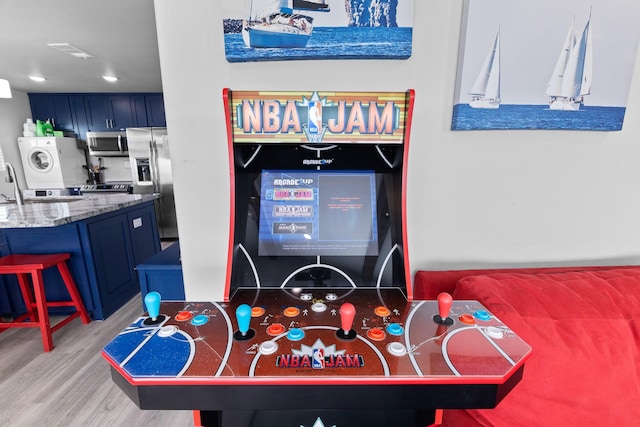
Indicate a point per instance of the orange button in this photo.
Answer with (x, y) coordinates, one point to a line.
(376, 334)
(382, 311)
(184, 315)
(467, 318)
(257, 311)
(275, 329)
(291, 311)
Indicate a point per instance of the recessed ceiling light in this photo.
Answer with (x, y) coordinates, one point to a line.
(110, 78)
(37, 78)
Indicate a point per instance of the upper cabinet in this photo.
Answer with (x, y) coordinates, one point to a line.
(98, 111)
(52, 107)
(109, 112)
(154, 104)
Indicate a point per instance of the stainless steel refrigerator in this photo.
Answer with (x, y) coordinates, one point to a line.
(151, 173)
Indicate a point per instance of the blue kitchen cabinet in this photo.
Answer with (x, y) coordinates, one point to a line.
(80, 113)
(109, 112)
(104, 252)
(138, 104)
(145, 239)
(77, 106)
(7, 300)
(55, 108)
(149, 109)
(155, 110)
(112, 260)
(162, 273)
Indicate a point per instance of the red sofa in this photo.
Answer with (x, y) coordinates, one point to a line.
(583, 325)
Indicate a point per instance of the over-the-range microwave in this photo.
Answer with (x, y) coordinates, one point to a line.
(108, 144)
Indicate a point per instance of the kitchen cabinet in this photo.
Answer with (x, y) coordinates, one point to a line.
(118, 244)
(112, 256)
(52, 107)
(162, 273)
(109, 112)
(155, 110)
(80, 113)
(105, 250)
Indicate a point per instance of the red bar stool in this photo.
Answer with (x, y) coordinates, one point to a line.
(23, 265)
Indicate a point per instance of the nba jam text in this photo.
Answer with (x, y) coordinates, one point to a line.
(319, 357)
(318, 116)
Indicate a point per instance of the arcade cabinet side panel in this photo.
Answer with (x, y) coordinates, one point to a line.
(226, 96)
(271, 131)
(411, 94)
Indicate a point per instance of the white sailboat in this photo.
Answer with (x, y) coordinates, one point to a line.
(571, 79)
(485, 92)
(273, 23)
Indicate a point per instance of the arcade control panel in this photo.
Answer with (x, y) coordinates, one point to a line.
(318, 335)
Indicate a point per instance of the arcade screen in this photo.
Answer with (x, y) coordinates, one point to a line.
(316, 213)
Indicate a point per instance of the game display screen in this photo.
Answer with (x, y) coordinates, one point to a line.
(317, 213)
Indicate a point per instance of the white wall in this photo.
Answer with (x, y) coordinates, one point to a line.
(483, 198)
(13, 113)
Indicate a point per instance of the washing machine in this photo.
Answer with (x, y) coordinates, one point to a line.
(51, 162)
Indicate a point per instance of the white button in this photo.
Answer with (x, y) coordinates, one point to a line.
(167, 331)
(319, 307)
(268, 347)
(396, 348)
(494, 332)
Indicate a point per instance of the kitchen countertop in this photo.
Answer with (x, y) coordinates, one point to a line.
(50, 212)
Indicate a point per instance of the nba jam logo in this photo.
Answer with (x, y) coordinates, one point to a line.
(314, 130)
(319, 356)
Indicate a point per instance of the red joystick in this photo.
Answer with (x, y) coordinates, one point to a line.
(347, 314)
(444, 307)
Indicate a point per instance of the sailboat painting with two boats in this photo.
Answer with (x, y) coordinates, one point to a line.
(518, 69)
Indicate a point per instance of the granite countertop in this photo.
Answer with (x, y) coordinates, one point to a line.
(46, 212)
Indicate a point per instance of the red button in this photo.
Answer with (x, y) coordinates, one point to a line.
(275, 329)
(376, 334)
(184, 315)
(467, 318)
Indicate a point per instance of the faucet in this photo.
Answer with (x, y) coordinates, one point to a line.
(11, 177)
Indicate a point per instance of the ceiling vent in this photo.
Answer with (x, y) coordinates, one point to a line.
(70, 50)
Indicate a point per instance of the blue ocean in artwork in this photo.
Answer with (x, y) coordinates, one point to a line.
(537, 117)
(330, 43)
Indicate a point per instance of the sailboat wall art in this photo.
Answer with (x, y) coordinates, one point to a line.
(545, 64)
(278, 30)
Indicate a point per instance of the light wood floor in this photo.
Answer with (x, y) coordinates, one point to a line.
(71, 385)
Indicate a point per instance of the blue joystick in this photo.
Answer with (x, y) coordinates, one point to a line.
(243, 317)
(152, 302)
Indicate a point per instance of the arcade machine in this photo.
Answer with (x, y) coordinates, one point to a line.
(318, 326)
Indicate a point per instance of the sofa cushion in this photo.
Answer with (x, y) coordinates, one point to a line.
(427, 284)
(584, 329)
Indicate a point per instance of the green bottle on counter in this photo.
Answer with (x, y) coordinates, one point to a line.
(39, 130)
(44, 128)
